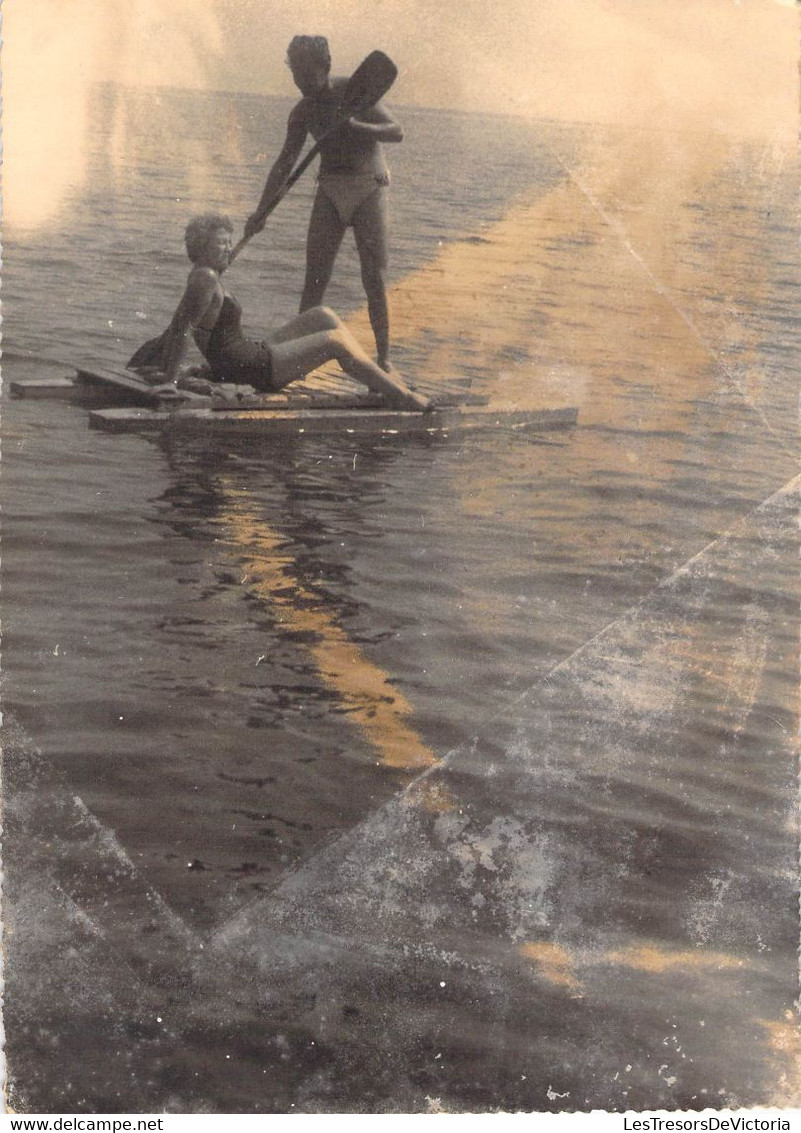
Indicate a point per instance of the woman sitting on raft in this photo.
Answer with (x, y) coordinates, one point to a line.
(212, 316)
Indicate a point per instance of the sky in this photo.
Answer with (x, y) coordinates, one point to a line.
(724, 65)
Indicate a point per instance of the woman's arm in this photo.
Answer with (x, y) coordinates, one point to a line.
(201, 288)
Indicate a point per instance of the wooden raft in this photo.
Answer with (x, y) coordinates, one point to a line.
(327, 401)
(274, 422)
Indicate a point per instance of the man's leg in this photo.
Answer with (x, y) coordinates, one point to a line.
(371, 229)
(322, 244)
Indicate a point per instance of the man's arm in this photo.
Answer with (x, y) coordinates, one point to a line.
(378, 124)
(296, 132)
(195, 302)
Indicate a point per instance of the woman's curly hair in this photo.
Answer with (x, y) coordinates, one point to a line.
(199, 230)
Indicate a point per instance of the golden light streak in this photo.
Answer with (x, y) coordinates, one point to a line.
(372, 703)
(556, 963)
(579, 295)
(655, 959)
(553, 962)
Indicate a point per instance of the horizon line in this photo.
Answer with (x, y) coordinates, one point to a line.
(290, 97)
(545, 119)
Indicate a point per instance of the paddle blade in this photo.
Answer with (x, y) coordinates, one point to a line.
(150, 354)
(370, 81)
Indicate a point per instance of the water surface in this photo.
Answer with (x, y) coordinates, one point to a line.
(236, 654)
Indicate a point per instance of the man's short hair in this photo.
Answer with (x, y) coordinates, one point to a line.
(309, 48)
(200, 228)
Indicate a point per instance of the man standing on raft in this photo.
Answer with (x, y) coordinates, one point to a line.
(352, 183)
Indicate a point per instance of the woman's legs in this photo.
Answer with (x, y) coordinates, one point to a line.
(311, 321)
(294, 358)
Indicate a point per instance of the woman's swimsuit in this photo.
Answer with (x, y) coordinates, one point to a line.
(347, 192)
(232, 356)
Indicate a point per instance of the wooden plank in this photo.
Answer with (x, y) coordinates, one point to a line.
(129, 420)
(318, 403)
(42, 387)
(353, 392)
(324, 401)
(124, 384)
(126, 387)
(322, 376)
(456, 397)
(344, 422)
(432, 385)
(437, 390)
(334, 383)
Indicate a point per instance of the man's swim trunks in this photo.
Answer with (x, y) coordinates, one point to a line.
(235, 358)
(347, 192)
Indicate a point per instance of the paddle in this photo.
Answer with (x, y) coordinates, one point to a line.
(369, 82)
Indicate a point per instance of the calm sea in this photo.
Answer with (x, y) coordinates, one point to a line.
(241, 656)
